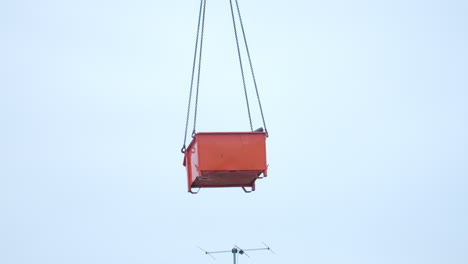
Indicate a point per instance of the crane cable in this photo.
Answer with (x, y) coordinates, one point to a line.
(240, 63)
(201, 17)
(198, 51)
(251, 67)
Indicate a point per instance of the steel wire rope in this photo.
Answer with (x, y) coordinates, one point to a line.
(199, 68)
(202, 8)
(251, 67)
(241, 66)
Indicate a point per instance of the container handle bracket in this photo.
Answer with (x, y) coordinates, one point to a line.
(251, 190)
(192, 192)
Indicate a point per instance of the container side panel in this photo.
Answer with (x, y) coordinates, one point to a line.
(226, 179)
(192, 163)
(225, 152)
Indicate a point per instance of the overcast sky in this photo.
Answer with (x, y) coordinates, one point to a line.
(366, 103)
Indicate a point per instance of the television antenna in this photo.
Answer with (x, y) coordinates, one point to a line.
(237, 250)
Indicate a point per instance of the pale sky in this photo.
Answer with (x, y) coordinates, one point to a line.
(366, 103)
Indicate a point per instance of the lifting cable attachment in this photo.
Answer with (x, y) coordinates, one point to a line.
(198, 53)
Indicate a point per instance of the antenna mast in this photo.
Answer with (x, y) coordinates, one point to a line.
(236, 250)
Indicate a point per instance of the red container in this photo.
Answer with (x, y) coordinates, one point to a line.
(226, 159)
